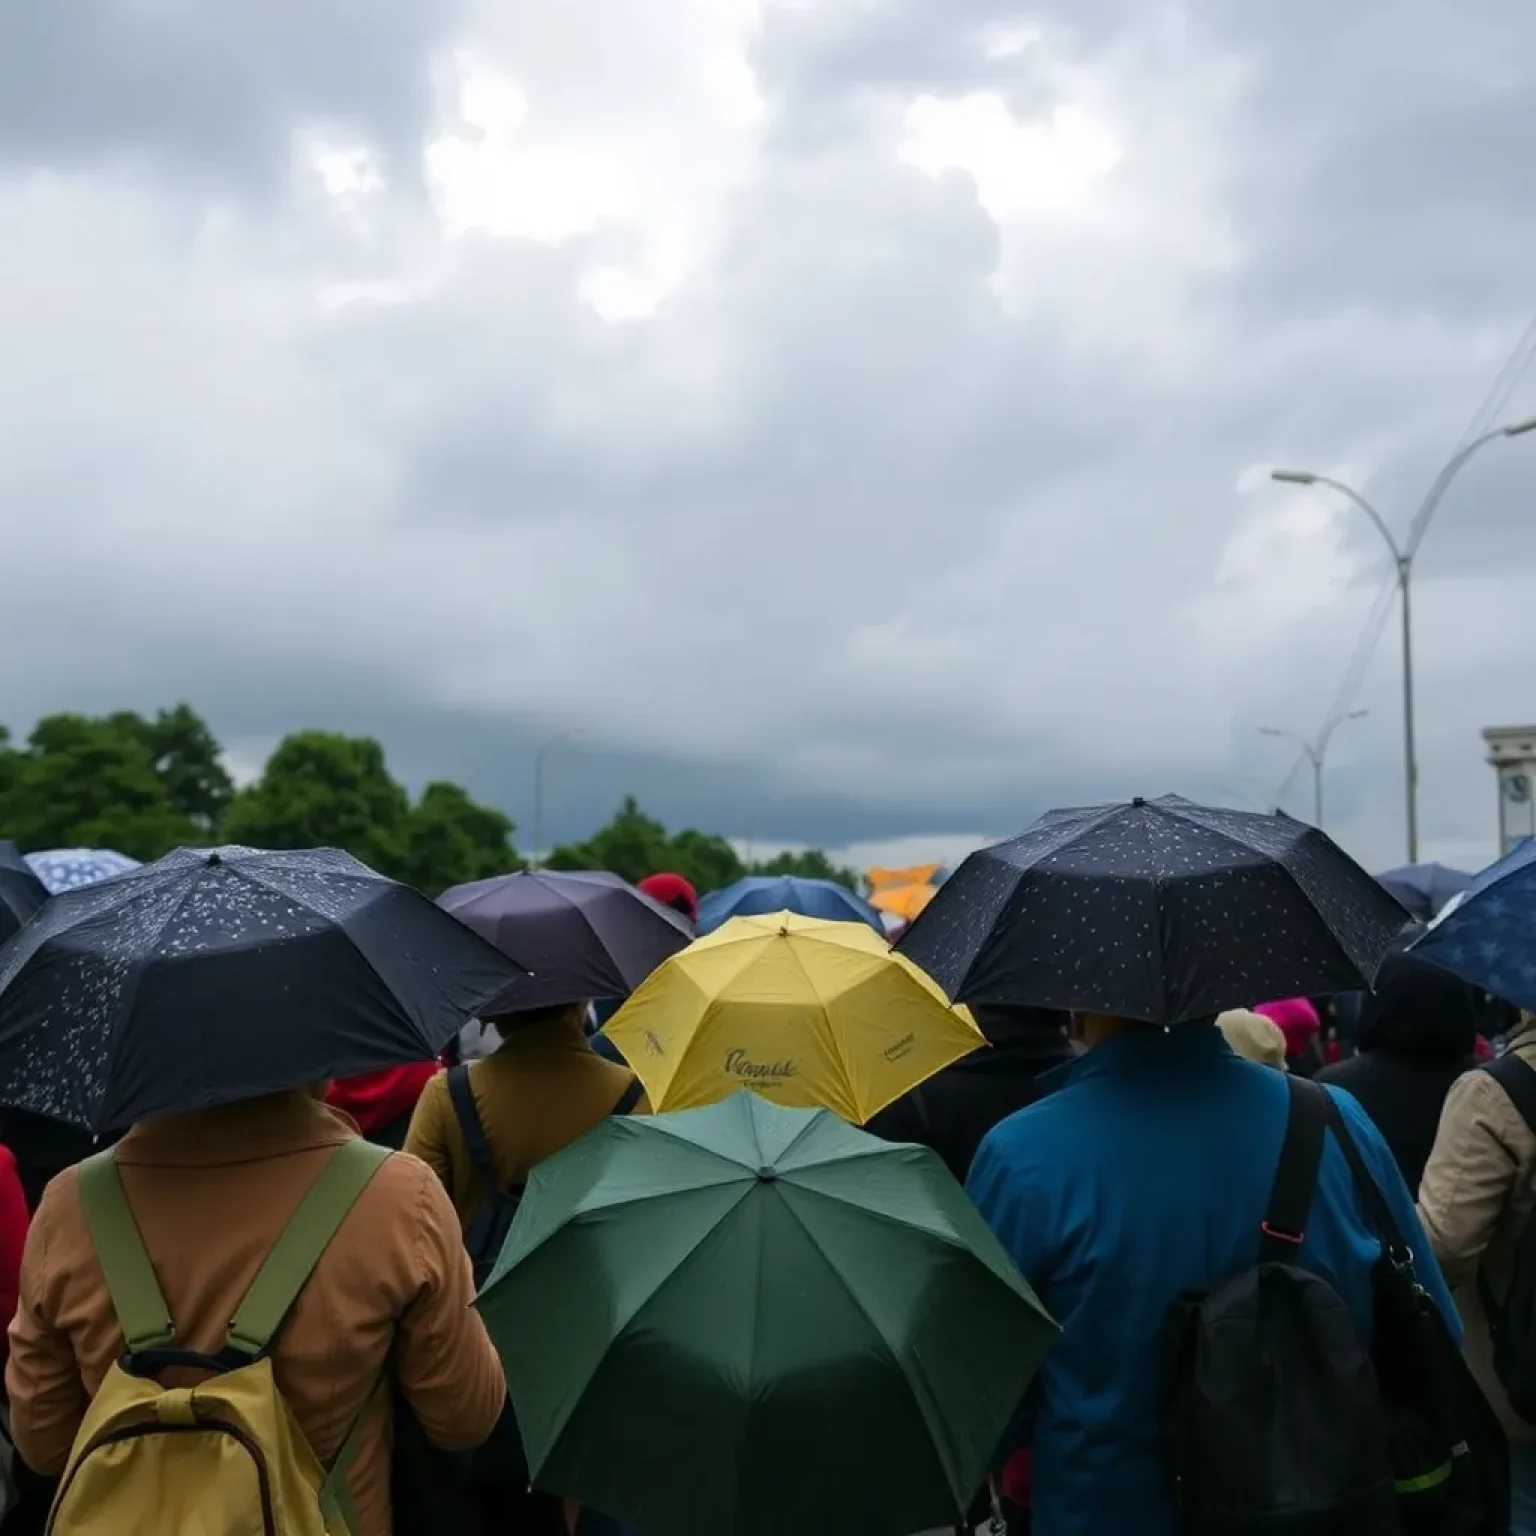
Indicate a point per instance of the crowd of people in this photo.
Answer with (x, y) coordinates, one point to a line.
(1128, 1165)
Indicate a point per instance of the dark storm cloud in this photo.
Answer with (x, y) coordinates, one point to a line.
(214, 90)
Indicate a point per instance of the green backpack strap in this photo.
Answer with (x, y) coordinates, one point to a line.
(140, 1306)
(297, 1250)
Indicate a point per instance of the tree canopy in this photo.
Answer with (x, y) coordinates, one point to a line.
(146, 784)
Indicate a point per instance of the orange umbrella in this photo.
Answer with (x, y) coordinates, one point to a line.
(891, 879)
(904, 901)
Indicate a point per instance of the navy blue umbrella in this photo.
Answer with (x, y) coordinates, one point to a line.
(1485, 935)
(219, 974)
(21, 892)
(1159, 910)
(757, 894)
(1424, 889)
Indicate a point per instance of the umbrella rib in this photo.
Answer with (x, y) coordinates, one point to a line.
(921, 1396)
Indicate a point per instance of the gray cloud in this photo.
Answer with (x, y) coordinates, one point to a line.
(898, 516)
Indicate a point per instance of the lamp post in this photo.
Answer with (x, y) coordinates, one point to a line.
(539, 759)
(1317, 753)
(1402, 558)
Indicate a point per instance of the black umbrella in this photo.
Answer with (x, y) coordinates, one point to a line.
(585, 934)
(21, 892)
(219, 974)
(1159, 910)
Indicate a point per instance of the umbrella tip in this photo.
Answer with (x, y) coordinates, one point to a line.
(1139, 800)
(767, 1174)
(214, 858)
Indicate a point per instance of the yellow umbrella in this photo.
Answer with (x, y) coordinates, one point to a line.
(904, 901)
(808, 1013)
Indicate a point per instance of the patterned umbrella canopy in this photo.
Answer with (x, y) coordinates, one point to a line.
(63, 869)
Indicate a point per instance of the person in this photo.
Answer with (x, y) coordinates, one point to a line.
(1147, 1173)
(210, 1192)
(673, 890)
(44, 1148)
(1476, 1196)
(952, 1111)
(1417, 1034)
(1254, 1037)
(14, 1220)
(381, 1103)
(1298, 1018)
(536, 1093)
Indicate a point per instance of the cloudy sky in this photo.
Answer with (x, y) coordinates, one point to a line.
(849, 419)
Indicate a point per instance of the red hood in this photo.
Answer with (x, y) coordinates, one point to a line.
(374, 1099)
(1297, 1017)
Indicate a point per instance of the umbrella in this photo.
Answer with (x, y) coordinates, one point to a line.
(1159, 910)
(904, 901)
(759, 894)
(220, 974)
(1424, 889)
(21, 892)
(1484, 934)
(62, 869)
(586, 934)
(747, 1320)
(816, 1014)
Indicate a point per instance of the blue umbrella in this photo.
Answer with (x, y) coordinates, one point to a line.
(757, 894)
(63, 869)
(1484, 935)
(1425, 888)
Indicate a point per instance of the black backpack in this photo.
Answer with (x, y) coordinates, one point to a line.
(1512, 1322)
(485, 1233)
(1277, 1420)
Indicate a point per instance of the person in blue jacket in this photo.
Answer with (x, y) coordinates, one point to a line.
(1146, 1173)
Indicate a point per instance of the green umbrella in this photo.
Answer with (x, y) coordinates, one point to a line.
(746, 1319)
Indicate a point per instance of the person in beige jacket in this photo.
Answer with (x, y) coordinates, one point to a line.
(210, 1192)
(1478, 1192)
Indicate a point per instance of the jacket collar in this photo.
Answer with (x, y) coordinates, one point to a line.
(237, 1133)
(1140, 1052)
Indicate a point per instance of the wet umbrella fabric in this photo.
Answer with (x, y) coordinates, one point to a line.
(216, 975)
(585, 934)
(1425, 889)
(1484, 934)
(21, 892)
(758, 895)
(64, 869)
(1160, 910)
(753, 1320)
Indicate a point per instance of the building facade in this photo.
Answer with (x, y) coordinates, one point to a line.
(1512, 754)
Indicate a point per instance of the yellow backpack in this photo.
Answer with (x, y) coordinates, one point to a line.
(224, 1458)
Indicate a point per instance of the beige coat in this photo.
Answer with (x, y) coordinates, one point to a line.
(211, 1192)
(1478, 1191)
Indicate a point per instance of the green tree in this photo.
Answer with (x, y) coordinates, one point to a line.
(632, 845)
(808, 864)
(452, 839)
(322, 789)
(189, 761)
(90, 782)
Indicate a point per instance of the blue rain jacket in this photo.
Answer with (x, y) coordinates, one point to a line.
(1148, 1173)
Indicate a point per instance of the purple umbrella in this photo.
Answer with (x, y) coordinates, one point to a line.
(583, 934)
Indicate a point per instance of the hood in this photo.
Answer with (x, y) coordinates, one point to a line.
(375, 1099)
(672, 891)
(1297, 1017)
(1418, 1010)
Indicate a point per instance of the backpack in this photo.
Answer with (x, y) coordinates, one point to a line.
(1512, 1322)
(485, 1233)
(226, 1457)
(1276, 1419)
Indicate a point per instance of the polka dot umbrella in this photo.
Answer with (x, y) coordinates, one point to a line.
(65, 869)
(1160, 910)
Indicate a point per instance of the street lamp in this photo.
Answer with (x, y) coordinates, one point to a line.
(539, 759)
(1402, 557)
(1317, 753)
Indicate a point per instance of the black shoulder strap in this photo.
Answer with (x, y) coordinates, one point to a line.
(629, 1098)
(1518, 1079)
(1301, 1154)
(468, 1117)
(1377, 1211)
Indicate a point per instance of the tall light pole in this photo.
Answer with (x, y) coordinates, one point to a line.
(539, 759)
(1402, 558)
(1317, 753)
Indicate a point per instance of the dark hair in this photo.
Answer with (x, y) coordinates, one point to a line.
(522, 1017)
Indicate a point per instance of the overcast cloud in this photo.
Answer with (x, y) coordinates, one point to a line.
(851, 418)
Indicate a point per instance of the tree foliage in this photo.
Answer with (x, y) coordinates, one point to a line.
(146, 784)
